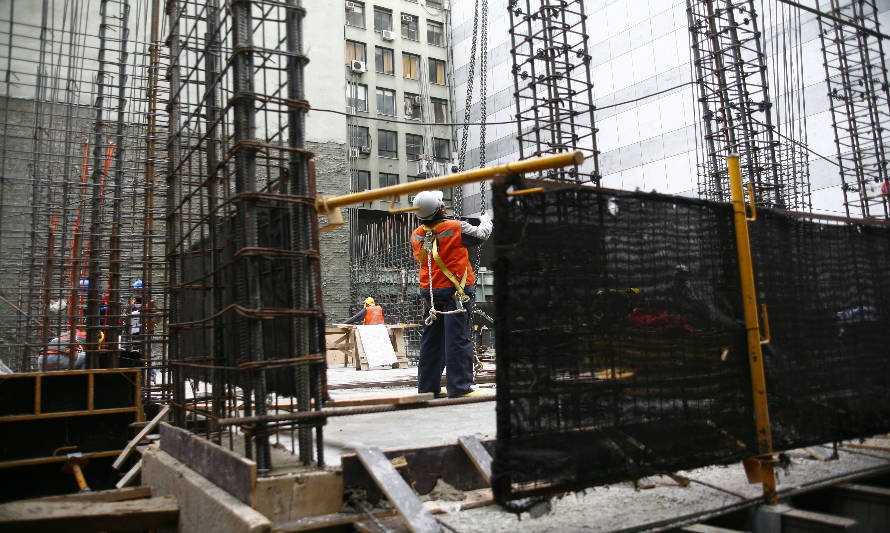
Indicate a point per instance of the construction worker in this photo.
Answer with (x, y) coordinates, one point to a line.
(446, 285)
(140, 333)
(371, 315)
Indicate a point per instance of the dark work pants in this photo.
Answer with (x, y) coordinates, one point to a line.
(445, 344)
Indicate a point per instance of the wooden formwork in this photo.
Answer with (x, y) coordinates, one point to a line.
(47, 418)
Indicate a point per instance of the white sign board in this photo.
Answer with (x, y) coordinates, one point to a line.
(376, 344)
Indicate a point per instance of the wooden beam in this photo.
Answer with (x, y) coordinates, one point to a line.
(80, 516)
(398, 492)
(478, 455)
(139, 436)
(130, 475)
(112, 495)
(229, 471)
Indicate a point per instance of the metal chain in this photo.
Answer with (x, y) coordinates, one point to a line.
(471, 74)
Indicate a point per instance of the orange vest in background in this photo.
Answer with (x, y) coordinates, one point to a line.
(373, 315)
(451, 251)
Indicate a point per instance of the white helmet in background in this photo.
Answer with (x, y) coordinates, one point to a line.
(428, 204)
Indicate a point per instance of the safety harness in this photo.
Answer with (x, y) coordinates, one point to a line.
(430, 250)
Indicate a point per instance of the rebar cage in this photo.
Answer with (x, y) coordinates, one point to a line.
(81, 195)
(621, 344)
(247, 330)
(553, 86)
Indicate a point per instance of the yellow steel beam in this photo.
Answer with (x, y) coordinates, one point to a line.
(329, 205)
(755, 355)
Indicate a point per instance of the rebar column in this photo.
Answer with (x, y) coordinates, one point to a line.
(306, 331)
(856, 75)
(552, 84)
(248, 286)
(98, 182)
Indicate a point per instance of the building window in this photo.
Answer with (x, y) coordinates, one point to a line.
(442, 149)
(382, 19)
(357, 97)
(387, 146)
(383, 58)
(356, 51)
(409, 27)
(361, 180)
(434, 3)
(413, 146)
(437, 71)
(447, 195)
(435, 33)
(413, 109)
(440, 110)
(355, 14)
(359, 136)
(388, 179)
(411, 66)
(386, 102)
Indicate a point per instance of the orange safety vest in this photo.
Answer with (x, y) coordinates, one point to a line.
(373, 315)
(451, 253)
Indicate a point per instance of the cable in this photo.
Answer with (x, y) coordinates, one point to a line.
(498, 123)
(645, 96)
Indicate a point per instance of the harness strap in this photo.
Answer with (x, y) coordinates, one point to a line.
(458, 285)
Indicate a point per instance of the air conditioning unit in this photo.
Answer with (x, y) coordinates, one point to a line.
(407, 18)
(353, 152)
(351, 5)
(364, 149)
(357, 66)
(387, 35)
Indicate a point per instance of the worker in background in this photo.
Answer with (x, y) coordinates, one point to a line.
(142, 325)
(371, 315)
(446, 285)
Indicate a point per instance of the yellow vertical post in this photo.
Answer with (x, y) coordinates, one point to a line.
(755, 355)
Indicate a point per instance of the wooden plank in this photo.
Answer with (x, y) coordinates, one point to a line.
(705, 528)
(229, 471)
(477, 454)
(113, 495)
(77, 516)
(826, 522)
(139, 436)
(66, 414)
(57, 459)
(315, 523)
(130, 475)
(398, 492)
(393, 524)
(385, 400)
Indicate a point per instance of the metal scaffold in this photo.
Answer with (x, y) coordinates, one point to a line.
(553, 86)
(81, 236)
(246, 317)
(856, 74)
(737, 114)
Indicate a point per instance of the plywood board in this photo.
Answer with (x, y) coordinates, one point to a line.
(229, 471)
(75, 515)
(376, 345)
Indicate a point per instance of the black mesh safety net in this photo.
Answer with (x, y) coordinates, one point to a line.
(827, 292)
(621, 339)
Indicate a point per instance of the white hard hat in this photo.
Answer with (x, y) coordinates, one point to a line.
(428, 203)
